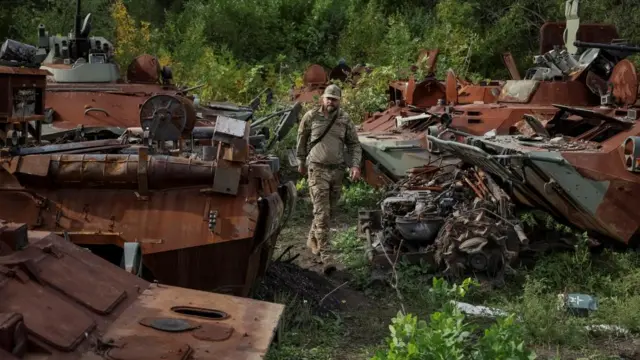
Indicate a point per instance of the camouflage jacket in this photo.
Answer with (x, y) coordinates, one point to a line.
(329, 151)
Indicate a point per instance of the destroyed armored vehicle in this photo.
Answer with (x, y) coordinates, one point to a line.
(394, 141)
(192, 206)
(315, 79)
(581, 166)
(86, 89)
(206, 220)
(60, 301)
(567, 159)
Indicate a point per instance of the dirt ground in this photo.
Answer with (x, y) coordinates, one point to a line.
(362, 317)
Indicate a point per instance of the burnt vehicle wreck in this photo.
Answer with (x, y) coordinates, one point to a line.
(482, 162)
(60, 301)
(394, 141)
(203, 217)
(582, 168)
(170, 200)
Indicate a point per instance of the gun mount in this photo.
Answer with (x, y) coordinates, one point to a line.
(619, 47)
(77, 57)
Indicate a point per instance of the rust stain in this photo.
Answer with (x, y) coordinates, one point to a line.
(60, 300)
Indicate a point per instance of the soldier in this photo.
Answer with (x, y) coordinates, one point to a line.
(322, 136)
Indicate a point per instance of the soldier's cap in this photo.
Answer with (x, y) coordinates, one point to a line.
(333, 92)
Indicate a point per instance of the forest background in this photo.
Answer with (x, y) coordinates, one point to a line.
(239, 47)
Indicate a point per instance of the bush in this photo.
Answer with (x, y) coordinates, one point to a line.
(449, 335)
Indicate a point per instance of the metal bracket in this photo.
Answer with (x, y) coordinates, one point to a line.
(227, 178)
(132, 258)
(143, 185)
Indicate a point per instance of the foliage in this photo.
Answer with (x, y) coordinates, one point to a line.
(449, 335)
(359, 195)
(131, 39)
(237, 48)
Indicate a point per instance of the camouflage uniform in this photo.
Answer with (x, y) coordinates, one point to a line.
(325, 164)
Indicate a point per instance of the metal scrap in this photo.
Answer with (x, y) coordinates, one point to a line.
(109, 313)
(458, 218)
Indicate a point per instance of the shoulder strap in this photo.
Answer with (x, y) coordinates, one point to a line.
(326, 130)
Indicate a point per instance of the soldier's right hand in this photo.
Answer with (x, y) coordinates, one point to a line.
(302, 170)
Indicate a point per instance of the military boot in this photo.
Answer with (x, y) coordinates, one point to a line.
(312, 243)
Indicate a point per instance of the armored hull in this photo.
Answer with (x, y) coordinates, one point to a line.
(60, 301)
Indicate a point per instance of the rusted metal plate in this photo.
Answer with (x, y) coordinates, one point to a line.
(57, 321)
(90, 288)
(552, 34)
(536, 93)
(137, 347)
(13, 70)
(25, 296)
(315, 75)
(451, 87)
(213, 332)
(624, 79)
(427, 93)
(510, 63)
(172, 225)
(107, 105)
(253, 323)
(67, 327)
(144, 69)
(431, 58)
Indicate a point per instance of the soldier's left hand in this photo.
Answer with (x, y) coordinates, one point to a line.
(355, 173)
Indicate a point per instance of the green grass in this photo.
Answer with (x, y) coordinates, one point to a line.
(531, 295)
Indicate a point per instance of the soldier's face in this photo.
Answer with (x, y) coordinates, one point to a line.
(330, 104)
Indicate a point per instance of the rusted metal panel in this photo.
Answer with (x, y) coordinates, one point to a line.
(144, 69)
(552, 34)
(519, 92)
(624, 79)
(431, 58)
(452, 87)
(374, 176)
(61, 301)
(173, 224)
(13, 70)
(315, 75)
(246, 332)
(510, 63)
(427, 93)
(108, 105)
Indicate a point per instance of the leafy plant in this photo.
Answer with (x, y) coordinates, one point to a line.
(449, 335)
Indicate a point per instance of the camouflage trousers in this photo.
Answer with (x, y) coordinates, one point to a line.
(325, 187)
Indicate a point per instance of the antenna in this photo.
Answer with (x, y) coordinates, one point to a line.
(78, 19)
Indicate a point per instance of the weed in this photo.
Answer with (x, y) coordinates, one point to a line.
(301, 340)
(358, 195)
(448, 334)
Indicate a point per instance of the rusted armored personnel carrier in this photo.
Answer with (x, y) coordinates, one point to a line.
(197, 207)
(86, 88)
(394, 142)
(60, 301)
(580, 165)
(569, 160)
